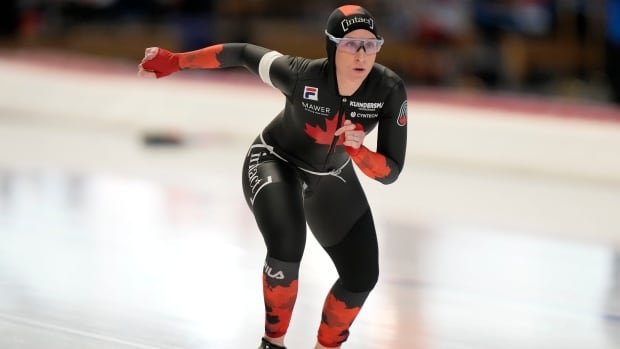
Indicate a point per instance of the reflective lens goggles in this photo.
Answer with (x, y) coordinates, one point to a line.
(352, 45)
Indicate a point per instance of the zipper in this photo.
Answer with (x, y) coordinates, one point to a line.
(339, 124)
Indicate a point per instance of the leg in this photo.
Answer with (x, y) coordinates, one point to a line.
(273, 191)
(340, 218)
(356, 259)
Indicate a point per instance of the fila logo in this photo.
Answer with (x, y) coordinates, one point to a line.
(274, 275)
(311, 93)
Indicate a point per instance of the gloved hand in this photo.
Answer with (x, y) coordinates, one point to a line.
(158, 62)
(353, 136)
(373, 164)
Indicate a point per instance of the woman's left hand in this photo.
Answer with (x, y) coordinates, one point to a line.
(353, 134)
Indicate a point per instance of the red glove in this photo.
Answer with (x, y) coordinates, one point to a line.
(162, 64)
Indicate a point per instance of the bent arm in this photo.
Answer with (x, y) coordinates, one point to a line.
(387, 162)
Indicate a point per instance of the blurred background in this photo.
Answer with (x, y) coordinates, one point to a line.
(123, 225)
(549, 47)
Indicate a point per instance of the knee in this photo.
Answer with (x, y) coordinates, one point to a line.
(356, 257)
(363, 280)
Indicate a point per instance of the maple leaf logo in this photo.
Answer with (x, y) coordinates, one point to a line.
(279, 303)
(374, 165)
(324, 136)
(348, 10)
(336, 319)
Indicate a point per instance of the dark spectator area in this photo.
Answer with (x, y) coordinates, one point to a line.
(543, 47)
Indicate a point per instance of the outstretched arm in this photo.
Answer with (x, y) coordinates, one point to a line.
(159, 62)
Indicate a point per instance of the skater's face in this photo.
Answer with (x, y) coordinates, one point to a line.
(355, 58)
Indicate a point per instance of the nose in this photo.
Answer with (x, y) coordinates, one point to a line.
(359, 54)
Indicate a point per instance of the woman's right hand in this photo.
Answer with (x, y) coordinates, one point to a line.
(157, 63)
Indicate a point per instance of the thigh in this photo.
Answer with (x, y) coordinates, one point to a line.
(333, 206)
(273, 191)
(356, 257)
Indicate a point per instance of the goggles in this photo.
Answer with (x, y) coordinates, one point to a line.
(352, 45)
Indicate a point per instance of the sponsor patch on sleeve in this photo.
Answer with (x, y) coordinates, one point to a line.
(402, 115)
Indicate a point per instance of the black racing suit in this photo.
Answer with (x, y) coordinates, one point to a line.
(298, 172)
